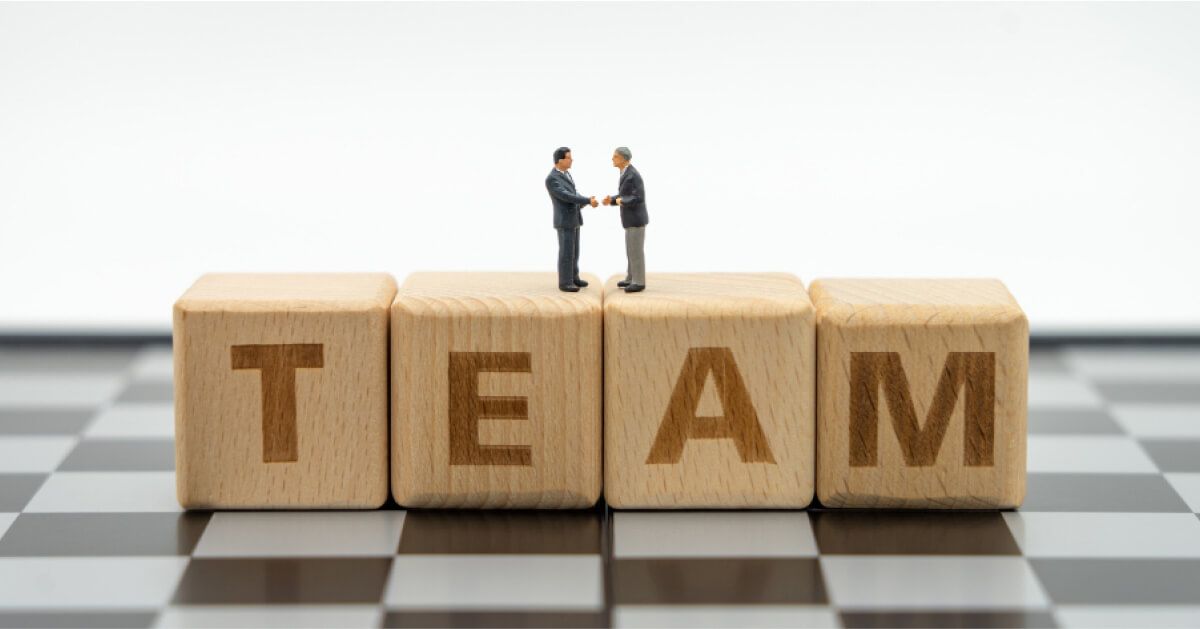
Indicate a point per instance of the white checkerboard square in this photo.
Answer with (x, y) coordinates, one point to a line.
(1062, 391)
(922, 582)
(496, 582)
(154, 363)
(1087, 454)
(1134, 363)
(1128, 617)
(271, 616)
(1164, 421)
(33, 454)
(302, 534)
(88, 582)
(106, 492)
(134, 420)
(1133, 535)
(58, 390)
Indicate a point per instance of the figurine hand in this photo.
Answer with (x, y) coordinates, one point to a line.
(607, 200)
(593, 202)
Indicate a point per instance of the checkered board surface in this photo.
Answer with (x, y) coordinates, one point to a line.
(91, 534)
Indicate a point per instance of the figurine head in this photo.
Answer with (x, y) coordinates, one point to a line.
(562, 158)
(621, 156)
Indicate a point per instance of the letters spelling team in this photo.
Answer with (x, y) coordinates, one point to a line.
(502, 390)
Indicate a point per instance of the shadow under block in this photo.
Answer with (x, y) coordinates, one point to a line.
(921, 393)
(281, 391)
(496, 392)
(709, 392)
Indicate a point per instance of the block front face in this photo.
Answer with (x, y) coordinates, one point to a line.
(921, 393)
(496, 392)
(281, 391)
(709, 392)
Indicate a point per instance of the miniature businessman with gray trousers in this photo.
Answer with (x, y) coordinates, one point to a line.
(632, 200)
(567, 219)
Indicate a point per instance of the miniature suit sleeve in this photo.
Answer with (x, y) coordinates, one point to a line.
(560, 192)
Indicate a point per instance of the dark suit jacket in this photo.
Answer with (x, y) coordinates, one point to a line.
(633, 199)
(567, 202)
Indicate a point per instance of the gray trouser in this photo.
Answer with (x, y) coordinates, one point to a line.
(568, 255)
(635, 253)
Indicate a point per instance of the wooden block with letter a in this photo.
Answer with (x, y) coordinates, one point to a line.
(281, 391)
(709, 392)
(496, 391)
(921, 393)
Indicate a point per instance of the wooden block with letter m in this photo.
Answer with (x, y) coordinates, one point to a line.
(496, 391)
(709, 392)
(281, 391)
(921, 393)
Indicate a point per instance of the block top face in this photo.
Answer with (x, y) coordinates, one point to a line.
(711, 294)
(267, 292)
(874, 301)
(493, 293)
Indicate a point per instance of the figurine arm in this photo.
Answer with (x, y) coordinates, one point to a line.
(635, 191)
(558, 191)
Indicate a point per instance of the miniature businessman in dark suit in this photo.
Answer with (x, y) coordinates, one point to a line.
(632, 200)
(567, 219)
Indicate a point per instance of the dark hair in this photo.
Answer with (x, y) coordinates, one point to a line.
(560, 153)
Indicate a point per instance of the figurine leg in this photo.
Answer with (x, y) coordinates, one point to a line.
(576, 262)
(635, 245)
(567, 256)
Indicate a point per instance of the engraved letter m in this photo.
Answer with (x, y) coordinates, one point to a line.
(974, 371)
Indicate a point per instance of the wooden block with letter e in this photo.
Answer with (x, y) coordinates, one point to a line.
(496, 392)
(281, 391)
(709, 392)
(921, 393)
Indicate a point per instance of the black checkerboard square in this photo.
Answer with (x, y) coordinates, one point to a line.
(103, 534)
(121, 455)
(724, 581)
(865, 532)
(17, 489)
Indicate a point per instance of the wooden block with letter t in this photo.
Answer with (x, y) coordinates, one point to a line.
(281, 391)
(921, 393)
(709, 392)
(496, 392)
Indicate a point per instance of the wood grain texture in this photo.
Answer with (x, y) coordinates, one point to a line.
(921, 393)
(496, 392)
(281, 391)
(709, 392)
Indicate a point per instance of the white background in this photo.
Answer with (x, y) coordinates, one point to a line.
(1052, 146)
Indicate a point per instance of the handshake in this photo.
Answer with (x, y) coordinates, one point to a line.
(608, 200)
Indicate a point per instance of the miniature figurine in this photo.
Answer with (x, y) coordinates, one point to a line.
(567, 219)
(631, 198)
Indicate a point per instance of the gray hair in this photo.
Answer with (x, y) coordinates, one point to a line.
(624, 151)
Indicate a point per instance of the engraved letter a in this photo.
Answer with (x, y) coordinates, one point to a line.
(740, 422)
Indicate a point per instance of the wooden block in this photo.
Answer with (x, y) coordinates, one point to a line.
(496, 391)
(709, 392)
(921, 393)
(281, 391)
